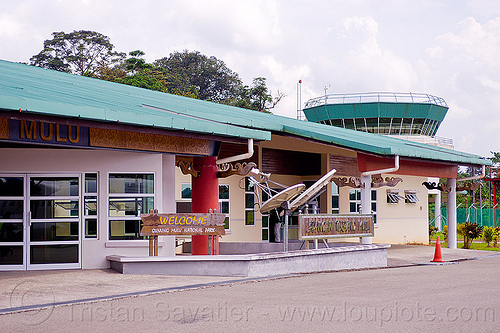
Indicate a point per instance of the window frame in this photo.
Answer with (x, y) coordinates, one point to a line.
(228, 200)
(335, 210)
(110, 196)
(411, 197)
(87, 217)
(393, 196)
(357, 202)
(249, 192)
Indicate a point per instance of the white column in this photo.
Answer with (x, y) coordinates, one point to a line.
(437, 210)
(366, 202)
(166, 193)
(451, 212)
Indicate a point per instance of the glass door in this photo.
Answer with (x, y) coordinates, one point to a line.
(12, 215)
(53, 220)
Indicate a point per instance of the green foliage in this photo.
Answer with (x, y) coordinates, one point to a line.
(445, 232)
(432, 230)
(496, 157)
(257, 97)
(79, 52)
(148, 79)
(190, 74)
(469, 231)
(213, 80)
(489, 234)
(135, 63)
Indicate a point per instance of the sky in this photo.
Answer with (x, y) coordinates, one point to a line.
(447, 48)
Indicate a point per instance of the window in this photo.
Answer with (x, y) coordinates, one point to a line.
(265, 227)
(129, 196)
(90, 210)
(355, 202)
(411, 197)
(224, 203)
(335, 198)
(265, 220)
(249, 202)
(185, 191)
(393, 196)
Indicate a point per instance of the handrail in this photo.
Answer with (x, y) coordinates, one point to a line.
(372, 97)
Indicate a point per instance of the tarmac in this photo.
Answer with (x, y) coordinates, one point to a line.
(27, 290)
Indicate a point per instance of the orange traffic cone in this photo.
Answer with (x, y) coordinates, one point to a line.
(437, 253)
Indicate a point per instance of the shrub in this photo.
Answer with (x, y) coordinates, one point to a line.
(495, 236)
(432, 230)
(470, 231)
(488, 234)
(445, 232)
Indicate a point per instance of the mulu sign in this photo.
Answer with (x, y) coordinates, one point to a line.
(48, 133)
(318, 226)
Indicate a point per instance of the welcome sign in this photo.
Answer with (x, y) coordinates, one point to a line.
(183, 224)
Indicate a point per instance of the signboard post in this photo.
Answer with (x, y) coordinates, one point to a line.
(155, 224)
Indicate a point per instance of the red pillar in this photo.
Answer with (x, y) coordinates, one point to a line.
(205, 196)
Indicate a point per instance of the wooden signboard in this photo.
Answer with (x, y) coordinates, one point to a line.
(320, 226)
(183, 224)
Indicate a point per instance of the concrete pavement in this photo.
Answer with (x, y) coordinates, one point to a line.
(34, 289)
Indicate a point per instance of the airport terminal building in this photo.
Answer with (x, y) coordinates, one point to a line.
(82, 159)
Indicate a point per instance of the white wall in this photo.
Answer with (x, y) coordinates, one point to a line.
(400, 223)
(60, 161)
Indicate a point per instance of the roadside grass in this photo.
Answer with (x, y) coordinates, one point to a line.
(477, 244)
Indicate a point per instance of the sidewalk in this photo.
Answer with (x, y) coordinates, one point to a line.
(22, 290)
(404, 255)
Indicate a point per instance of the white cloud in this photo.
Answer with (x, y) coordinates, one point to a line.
(464, 63)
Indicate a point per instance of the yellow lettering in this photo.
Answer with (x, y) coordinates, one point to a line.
(70, 134)
(42, 132)
(171, 219)
(182, 220)
(59, 138)
(189, 220)
(29, 133)
(203, 220)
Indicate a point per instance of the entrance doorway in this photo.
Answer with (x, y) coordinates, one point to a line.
(40, 221)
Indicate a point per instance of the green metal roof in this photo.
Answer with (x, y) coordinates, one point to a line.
(54, 93)
(49, 92)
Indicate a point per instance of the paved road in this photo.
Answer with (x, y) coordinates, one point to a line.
(460, 297)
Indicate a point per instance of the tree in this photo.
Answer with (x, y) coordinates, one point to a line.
(257, 97)
(496, 158)
(213, 80)
(135, 63)
(190, 74)
(79, 52)
(135, 71)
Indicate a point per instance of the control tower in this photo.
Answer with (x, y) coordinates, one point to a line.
(387, 113)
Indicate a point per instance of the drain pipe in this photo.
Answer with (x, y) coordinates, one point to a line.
(388, 170)
(366, 192)
(238, 157)
(483, 173)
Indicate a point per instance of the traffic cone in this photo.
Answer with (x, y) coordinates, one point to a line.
(437, 253)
